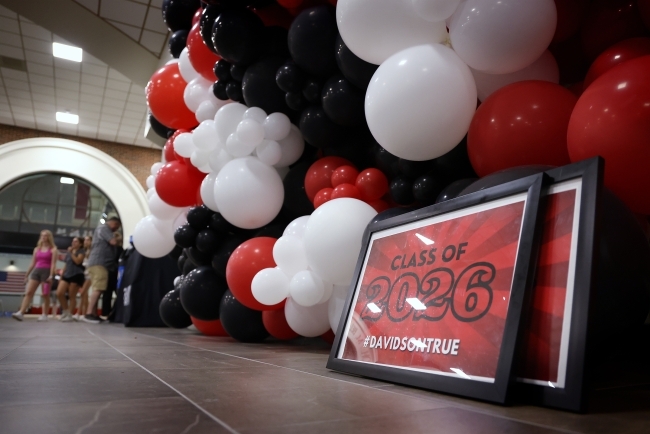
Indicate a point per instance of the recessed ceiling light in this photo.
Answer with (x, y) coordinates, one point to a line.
(67, 52)
(68, 118)
(66, 180)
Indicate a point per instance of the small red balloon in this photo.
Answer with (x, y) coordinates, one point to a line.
(201, 58)
(319, 175)
(615, 55)
(246, 261)
(344, 175)
(379, 205)
(164, 94)
(209, 328)
(168, 149)
(177, 183)
(276, 324)
(346, 190)
(372, 183)
(324, 195)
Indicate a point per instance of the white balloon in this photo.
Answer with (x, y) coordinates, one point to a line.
(161, 209)
(545, 68)
(435, 10)
(181, 219)
(306, 321)
(196, 92)
(420, 102)
(291, 146)
(205, 135)
(207, 191)
(276, 126)
(282, 171)
(205, 168)
(297, 227)
(374, 30)
(185, 67)
(256, 114)
(155, 167)
(218, 158)
(183, 145)
(269, 152)
(237, 148)
(199, 158)
(336, 304)
(328, 288)
(150, 181)
(249, 193)
(250, 132)
(306, 288)
(227, 119)
(332, 238)
(206, 111)
(151, 192)
(270, 286)
(152, 241)
(289, 255)
(502, 36)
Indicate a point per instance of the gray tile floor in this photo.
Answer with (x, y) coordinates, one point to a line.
(78, 378)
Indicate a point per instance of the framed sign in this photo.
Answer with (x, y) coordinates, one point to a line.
(554, 345)
(439, 292)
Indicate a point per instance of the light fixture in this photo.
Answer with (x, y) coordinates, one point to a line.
(66, 180)
(68, 118)
(67, 52)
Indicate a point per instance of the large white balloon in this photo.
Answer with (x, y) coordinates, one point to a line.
(270, 286)
(291, 146)
(205, 135)
(374, 30)
(160, 209)
(185, 67)
(289, 255)
(207, 191)
(151, 240)
(184, 145)
(307, 321)
(502, 36)
(336, 304)
(297, 227)
(227, 119)
(420, 102)
(545, 68)
(332, 238)
(256, 114)
(249, 193)
(196, 92)
(435, 10)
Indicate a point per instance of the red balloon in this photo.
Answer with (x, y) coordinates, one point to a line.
(346, 190)
(177, 183)
(319, 175)
(164, 94)
(201, 58)
(323, 195)
(608, 22)
(521, 124)
(373, 184)
(209, 328)
(344, 175)
(612, 119)
(197, 16)
(276, 324)
(168, 149)
(246, 261)
(617, 54)
(379, 205)
(569, 18)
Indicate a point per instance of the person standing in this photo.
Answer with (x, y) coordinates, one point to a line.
(41, 270)
(72, 278)
(100, 260)
(83, 292)
(107, 296)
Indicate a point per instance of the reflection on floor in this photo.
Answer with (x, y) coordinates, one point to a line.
(79, 378)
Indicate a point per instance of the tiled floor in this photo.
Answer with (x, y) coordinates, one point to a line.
(78, 378)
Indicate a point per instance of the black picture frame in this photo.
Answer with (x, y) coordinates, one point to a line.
(573, 394)
(523, 278)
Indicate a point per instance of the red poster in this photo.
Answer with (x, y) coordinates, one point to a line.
(434, 294)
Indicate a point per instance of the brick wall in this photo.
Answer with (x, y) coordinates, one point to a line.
(138, 160)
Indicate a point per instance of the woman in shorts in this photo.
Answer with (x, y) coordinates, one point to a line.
(40, 271)
(72, 278)
(83, 292)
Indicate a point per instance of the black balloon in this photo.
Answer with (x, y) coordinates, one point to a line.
(273, 231)
(220, 258)
(177, 42)
(241, 323)
(233, 90)
(159, 128)
(312, 39)
(295, 101)
(185, 235)
(199, 217)
(219, 90)
(454, 189)
(342, 102)
(426, 189)
(172, 312)
(237, 72)
(208, 16)
(222, 70)
(290, 78)
(188, 266)
(275, 41)
(319, 130)
(237, 35)
(386, 162)
(220, 224)
(413, 169)
(401, 191)
(311, 90)
(358, 147)
(201, 293)
(358, 71)
(178, 14)
(259, 86)
(181, 262)
(207, 241)
(296, 201)
(197, 256)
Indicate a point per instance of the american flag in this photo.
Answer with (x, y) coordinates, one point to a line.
(12, 281)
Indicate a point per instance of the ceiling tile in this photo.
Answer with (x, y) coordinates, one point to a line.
(46, 126)
(88, 58)
(134, 114)
(12, 39)
(49, 99)
(9, 25)
(130, 31)
(90, 133)
(33, 56)
(123, 11)
(65, 74)
(153, 41)
(117, 76)
(115, 111)
(19, 95)
(93, 5)
(44, 106)
(158, 4)
(138, 90)
(118, 85)
(42, 89)
(112, 119)
(10, 51)
(67, 128)
(4, 12)
(66, 64)
(106, 136)
(37, 45)
(7, 120)
(22, 111)
(116, 95)
(45, 114)
(93, 80)
(100, 71)
(15, 85)
(125, 129)
(67, 104)
(37, 68)
(92, 90)
(67, 94)
(133, 122)
(67, 85)
(35, 31)
(25, 124)
(89, 102)
(154, 21)
(41, 79)
(13, 74)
